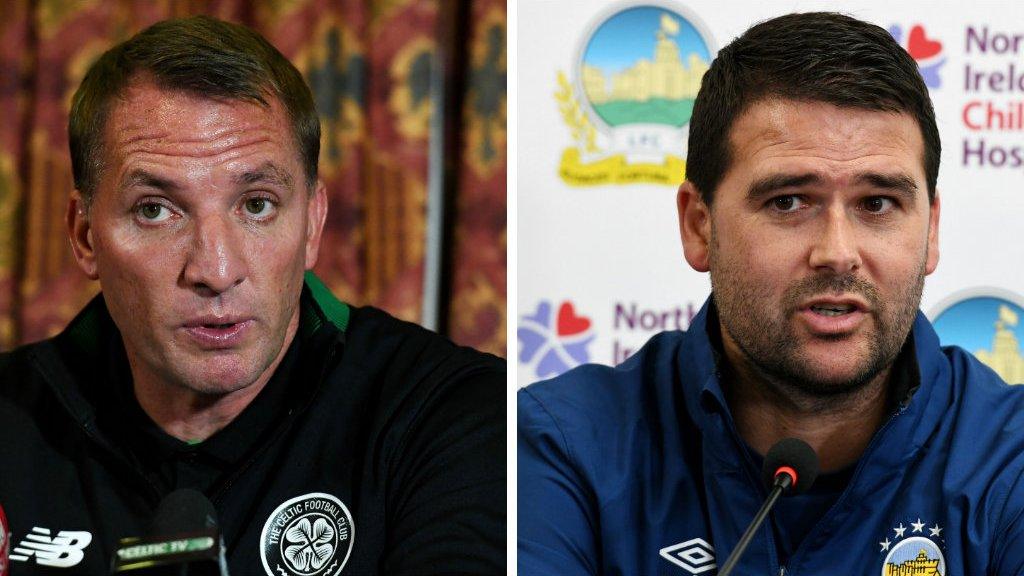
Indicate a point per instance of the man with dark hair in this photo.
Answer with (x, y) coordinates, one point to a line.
(810, 198)
(330, 439)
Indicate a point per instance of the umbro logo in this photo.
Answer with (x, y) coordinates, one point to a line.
(695, 556)
(61, 551)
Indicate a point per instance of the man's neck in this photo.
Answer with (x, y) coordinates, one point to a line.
(188, 415)
(839, 435)
(838, 428)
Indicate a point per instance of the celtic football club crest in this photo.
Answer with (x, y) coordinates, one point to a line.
(309, 535)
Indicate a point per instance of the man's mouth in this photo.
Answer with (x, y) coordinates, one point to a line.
(215, 320)
(832, 310)
(833, 316)
(218, 333)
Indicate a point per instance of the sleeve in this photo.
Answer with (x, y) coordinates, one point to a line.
(446, 490)
(1008, 545)
(556, 516)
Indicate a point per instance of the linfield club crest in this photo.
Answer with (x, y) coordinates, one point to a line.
(987, 323)
(309, 535)
(629, 100)
(913, 548)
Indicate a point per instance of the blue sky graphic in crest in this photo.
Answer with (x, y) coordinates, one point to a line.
(629, 36)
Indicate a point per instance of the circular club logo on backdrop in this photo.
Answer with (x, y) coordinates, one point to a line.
(309, 535)
(631, 94)
(643, 65)
(986, 323)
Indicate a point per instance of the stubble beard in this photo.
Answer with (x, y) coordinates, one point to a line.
(764, 332)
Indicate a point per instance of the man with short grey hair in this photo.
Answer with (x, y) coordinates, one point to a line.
(329, 438)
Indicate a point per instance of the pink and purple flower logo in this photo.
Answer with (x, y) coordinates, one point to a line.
(927, 52)
(552, 344)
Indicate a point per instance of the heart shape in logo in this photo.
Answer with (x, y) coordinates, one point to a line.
(569, 323)
(919, 46)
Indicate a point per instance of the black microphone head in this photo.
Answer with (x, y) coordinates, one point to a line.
(183, 538)
(183, 510)
(792, 453)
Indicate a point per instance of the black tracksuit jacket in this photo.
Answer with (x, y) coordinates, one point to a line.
(382, 451)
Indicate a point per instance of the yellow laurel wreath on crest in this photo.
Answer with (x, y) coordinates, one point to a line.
(582, 130)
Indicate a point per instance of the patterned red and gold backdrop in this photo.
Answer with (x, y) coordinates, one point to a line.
(369, 66)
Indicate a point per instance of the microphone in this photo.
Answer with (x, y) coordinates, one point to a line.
(5, 544)
(790, 467)
(183, 539)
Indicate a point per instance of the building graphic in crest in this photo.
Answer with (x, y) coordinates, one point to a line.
(1005, 357)
(913, 549)
(986, 323)
(629, 102)
(922, 565)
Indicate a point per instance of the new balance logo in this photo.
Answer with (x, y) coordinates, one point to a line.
(61, 551)
(695, 556)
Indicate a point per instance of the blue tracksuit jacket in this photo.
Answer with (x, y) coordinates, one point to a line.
(639, 470)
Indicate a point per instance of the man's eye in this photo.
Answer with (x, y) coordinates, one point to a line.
(261, 207)
(879, 204)
(153, 212)
(786, 203)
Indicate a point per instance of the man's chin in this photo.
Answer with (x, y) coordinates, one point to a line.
(219, 372)
(218, 376)
(831, 385)
(830, 376)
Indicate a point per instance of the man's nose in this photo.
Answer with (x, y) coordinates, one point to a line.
(835, 246)
(216, 261)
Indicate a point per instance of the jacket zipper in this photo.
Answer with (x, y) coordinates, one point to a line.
(221, 491)
(856, 474)
(853, 481)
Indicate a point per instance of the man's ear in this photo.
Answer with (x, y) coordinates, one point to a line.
(80, 233)
(933, 235)
(315, 217)
(694, 226)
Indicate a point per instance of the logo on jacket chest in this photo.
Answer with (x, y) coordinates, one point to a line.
(63, 550)
(913, 548)
(695, 556)
(309, 535)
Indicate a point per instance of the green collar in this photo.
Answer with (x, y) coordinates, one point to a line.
(330, 308)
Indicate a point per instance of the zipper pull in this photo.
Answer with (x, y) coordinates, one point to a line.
(782, 571)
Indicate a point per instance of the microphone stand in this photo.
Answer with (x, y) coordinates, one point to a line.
(782, 482)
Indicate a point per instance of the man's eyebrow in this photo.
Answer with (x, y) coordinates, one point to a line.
(775, 182)
(901, 184)
(139, 177)
(266, 173)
